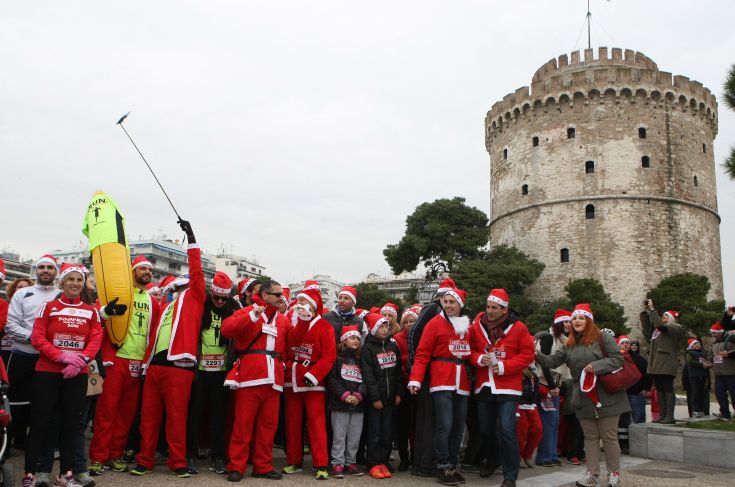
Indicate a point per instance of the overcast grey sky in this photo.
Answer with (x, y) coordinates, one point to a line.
(268, 120)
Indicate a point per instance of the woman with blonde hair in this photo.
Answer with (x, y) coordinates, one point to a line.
(389, 311)
(598, 410)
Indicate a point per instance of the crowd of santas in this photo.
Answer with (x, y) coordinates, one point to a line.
(235, 372)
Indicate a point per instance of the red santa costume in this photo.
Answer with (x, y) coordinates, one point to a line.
(257, 378)
(5, 345)
(169, 367)
(120, 398)
(312, 350)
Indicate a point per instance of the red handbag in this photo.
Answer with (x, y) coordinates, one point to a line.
(622, 378)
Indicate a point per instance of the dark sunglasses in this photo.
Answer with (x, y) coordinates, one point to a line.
(219, 298)
(278, 295)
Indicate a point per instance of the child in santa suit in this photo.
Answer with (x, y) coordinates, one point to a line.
(259, 332)
(312, 350)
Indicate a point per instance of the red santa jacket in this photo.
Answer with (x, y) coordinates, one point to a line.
(312, 350)
(514, 351)
(109, 351)
(65, 326)
(263, 362)
(446, 352)
(187, 316)
(401, 339)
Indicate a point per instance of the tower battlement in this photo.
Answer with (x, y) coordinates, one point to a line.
(611, 77)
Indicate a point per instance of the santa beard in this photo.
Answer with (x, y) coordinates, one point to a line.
(460, 324)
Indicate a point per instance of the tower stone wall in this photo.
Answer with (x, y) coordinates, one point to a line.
(571, 168)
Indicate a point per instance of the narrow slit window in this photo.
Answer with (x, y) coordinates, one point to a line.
(524, 189)
(565, 255)
(641, 132)
(645, 161)
(534, 141)
(571, 133)
(704, 148)
(589, 167)
(696, 181)
(505, 153)
(589, 212)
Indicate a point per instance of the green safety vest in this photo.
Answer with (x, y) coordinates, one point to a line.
(164, 329)
(103, 222)
(133, 348)
(213, 357)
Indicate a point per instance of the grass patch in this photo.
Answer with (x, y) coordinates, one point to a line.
(717, 425)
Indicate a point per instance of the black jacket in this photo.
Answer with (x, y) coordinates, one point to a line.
(383, 382)
(414, 335)
(338, 322)
(645, 383)
(337, 385)
(695, 363)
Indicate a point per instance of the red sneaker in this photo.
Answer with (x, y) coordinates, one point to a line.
(386, 472)
(376, 472)
(574, 461)
(354, 470)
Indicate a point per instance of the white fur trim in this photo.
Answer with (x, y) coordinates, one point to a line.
(562, 318)
(142, 263)
(374, 329)
(308, 298)
(496, 299)
(349, 295)
(47, 260)
(311, 377)
(501, 368)
(455, 295)
(583, 312)
(414, 383)
(389, 309)
(221, 290)
(351, 333)
(193, 246)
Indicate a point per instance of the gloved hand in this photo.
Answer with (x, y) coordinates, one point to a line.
(72, 359)
(114, 309)
(70, 371)
(186, 227)
(308, 382)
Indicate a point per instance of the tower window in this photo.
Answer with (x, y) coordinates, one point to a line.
(704, 148)
(565, 255)
(641, 132)
(534, 141)
(571, 133)
(524, 189)
(589, 167)
(696, 181)
(505, 153)
(645, 161)
(589, 211)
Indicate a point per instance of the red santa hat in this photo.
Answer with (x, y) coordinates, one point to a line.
(69, 267)
(561, 315)
(361, 313)
(166, 283)
(313, 296)
(48, 259)
(499, 296)
(141, 261)
(673, 315)
(622, 338)
(390, 308)
(312, 284)
(374, 321)
(446, 285)
(152, 288)
(716, 328)
(221, 283)
(2, 270)
(413, 310)
(244, 285)
(588, 385)
(691, 342)
(375, 310)
(286, 294)
(457, 294)
(350, 292)
(349, 331)
(583, 309)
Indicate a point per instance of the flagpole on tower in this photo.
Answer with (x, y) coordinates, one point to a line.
(589, 19)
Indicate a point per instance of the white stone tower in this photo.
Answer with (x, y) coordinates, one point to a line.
(604, 168)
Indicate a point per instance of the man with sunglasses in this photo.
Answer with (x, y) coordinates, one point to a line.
(259, 335)
(120, 399)
(208, 388)
(21, 315)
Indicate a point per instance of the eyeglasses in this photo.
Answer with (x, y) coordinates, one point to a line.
(219, 298)
(278, 295)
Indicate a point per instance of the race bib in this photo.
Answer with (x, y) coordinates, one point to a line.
(655, 334)
(718, 359)
(213, 362)
(135, 367)
(351, 373)
(459, 348)
(269, 329)
(387, 360)
(68, 341)
(303, 352)
(6, 343)
(547, 404)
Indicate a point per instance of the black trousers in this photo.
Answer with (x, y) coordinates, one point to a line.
(403, 419)
(575, 437)
(207, 392)
(696, 385)
(380, 434)
(424, 458)
(52, 397)
(663, 383)
(20, 372)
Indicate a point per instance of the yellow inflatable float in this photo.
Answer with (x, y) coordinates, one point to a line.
(104, 226)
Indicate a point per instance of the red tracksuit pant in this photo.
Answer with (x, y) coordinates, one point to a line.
(313, 402)
(115, 412)
(256, 421)
(529, 430)
(165, 388)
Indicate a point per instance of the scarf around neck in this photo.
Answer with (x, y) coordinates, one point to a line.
(496, 329)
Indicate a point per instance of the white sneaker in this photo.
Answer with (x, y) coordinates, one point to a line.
(85, 479)
(589, 480)
(613, 480)
(66, 480)
(28, 481)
